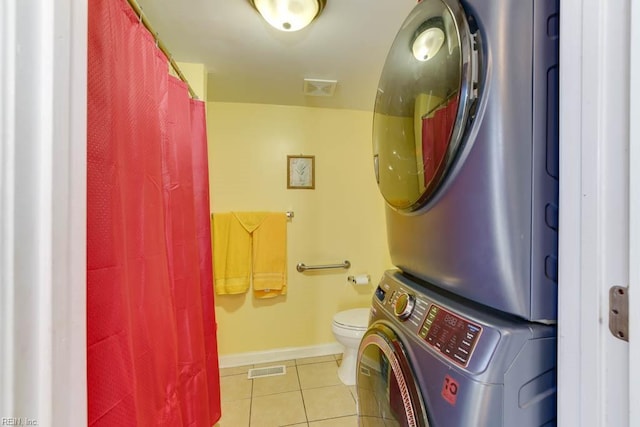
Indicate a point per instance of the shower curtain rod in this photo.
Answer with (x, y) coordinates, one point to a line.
(143, 19)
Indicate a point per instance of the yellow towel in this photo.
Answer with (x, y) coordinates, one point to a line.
(270, 257)
(269, 266)
(250, 245)
(231, 255)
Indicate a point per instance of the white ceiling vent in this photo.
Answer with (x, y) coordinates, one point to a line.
(317, 87)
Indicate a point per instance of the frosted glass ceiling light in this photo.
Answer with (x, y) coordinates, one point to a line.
(289, 15)
(428, 43)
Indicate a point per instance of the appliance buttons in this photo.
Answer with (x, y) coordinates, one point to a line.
(404, 305)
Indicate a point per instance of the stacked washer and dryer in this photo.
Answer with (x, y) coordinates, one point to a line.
(466, 157)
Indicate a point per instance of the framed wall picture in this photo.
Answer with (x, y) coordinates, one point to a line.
(301, 172)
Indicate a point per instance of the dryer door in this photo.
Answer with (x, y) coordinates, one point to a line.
(424, 101)
(388, 393)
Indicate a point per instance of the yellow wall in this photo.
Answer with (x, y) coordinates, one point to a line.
(196, 75)
(342, 219)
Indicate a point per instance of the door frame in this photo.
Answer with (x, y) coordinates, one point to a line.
(42, 256)
(43, 81)
(634, 213)
(597, 220)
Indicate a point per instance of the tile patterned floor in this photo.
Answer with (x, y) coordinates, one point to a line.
(310, 394)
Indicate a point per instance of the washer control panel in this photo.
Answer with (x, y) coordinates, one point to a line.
(450, 334)
(403, 305)
(446, 332)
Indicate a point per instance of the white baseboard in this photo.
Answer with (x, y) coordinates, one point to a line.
(279, 354)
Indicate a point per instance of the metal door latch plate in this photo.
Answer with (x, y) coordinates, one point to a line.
(619, 312)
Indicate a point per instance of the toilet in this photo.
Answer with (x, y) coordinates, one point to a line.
(349, 327)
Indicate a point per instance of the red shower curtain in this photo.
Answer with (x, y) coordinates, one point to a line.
(151, 344)
(436, 131)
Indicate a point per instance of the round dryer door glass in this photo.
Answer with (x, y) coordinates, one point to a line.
(423, 103)
(388, 394)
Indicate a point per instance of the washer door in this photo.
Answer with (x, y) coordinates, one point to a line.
(424, 101)
(388, 393)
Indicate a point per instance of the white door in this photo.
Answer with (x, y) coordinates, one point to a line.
(599, 226)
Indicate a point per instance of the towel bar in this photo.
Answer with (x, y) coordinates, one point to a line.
(301, 267)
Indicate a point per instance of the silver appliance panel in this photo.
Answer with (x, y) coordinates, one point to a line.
(509, 380)
(488, 230)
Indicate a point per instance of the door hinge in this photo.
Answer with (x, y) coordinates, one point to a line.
(619, 312)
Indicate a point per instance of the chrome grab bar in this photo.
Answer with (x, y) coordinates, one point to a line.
(301, 267)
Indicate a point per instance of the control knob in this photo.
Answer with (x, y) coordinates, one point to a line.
(405, 303)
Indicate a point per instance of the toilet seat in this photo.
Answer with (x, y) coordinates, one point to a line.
(356, 319)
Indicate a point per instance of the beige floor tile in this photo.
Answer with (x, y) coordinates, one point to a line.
(372, 422)
(317, 359)
(235, 414)
(328, 402)
(351, 421)
(235, 387)
(354, 392)
(318, 375)
(277, 383)
(286, 363)
(236, 370)
(278, 410)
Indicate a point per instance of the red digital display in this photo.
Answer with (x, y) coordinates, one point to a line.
(451, 335)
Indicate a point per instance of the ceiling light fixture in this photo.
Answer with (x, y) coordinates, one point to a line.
(289, 15)
(428, 40)
(428, 43)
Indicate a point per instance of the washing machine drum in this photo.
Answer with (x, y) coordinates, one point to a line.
(388, 390)
(425, 99)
